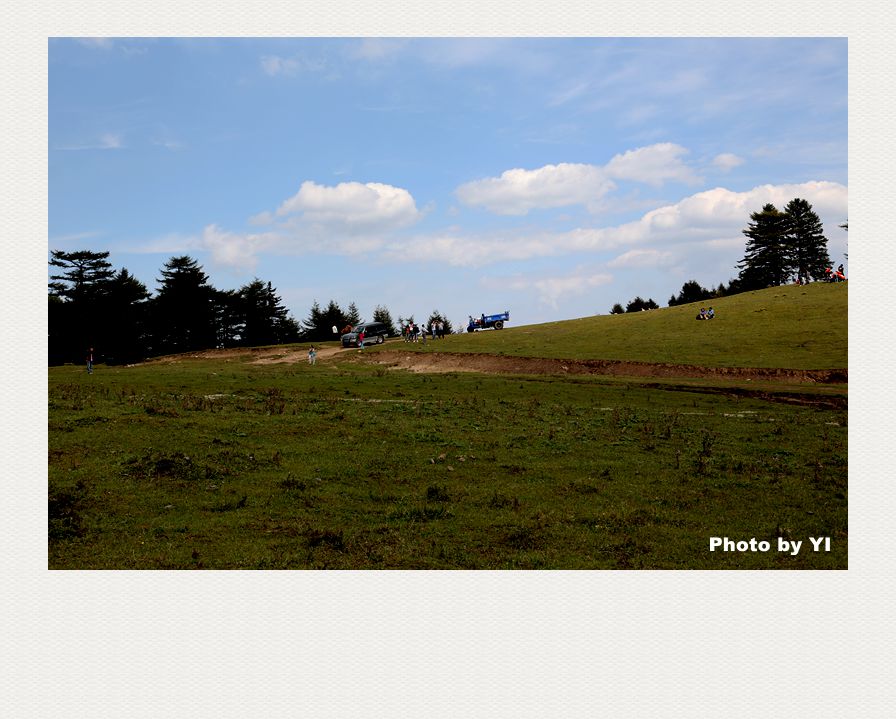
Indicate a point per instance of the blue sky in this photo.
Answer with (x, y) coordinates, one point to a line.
(548, 177)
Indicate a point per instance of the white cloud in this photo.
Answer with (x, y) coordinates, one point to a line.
(374, 48)
(262, 218)
(230, 249)
(714, 218)
(517, 191)
(653, 165)
(551, 290)
(100, 43)
(275, 65)
(107, 141)
(727, 161)
(367, 207)
(642, 258)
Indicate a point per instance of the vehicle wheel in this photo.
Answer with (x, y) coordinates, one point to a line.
(379, 339)
(499, 325)
(470, 329)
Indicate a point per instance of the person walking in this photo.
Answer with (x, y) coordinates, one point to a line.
(90, 361)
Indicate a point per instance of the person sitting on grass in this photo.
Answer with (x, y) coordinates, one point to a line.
(710, 313)
(702, 315)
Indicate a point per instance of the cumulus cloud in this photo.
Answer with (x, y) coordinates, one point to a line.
(727, 161)
(715, 218)
(517, 191)
(372, 206)
(231, 249)
(652, 165)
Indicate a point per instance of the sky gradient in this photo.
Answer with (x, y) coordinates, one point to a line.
(547, 177)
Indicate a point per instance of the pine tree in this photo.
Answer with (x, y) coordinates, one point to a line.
(437, 316)
(265, 319)
(183, 310)
(353, 315)
(807, 247)
(125, 319)
(320, 323)
(691, 291)
(638, 304)
(381, 314)
(76, 321)
(766, 259)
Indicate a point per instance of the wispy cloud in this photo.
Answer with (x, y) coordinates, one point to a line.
(74, 237)
(108, 141)
(274, 65)
(727, 161)
(551, 290)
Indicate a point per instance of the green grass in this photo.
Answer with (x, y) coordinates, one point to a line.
(791, 327)
(226, 464)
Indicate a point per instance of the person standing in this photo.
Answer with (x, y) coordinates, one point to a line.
(312, 356)
(90, 361)
(361, 340)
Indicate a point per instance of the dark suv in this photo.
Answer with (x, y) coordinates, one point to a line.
(374, 333)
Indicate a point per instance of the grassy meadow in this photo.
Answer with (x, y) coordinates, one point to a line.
(795, 327)
(225, 463)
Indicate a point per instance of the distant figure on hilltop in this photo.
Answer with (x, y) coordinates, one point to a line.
(90, 361)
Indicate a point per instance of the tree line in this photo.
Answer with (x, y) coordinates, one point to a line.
(781, 247)
(92, 305)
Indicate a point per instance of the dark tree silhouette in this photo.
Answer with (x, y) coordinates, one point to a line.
(807, 247)
(381, 314)
(184, 309)
(766, 261)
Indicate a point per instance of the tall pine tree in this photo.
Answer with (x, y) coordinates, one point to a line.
(183, 309)
(807, 247)
(766, 260)
(76, 314)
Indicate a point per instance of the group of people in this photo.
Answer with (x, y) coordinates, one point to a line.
(837, 275)
(706, 314)
(413, 332)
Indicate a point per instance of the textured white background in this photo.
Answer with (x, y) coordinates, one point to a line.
(433, 644)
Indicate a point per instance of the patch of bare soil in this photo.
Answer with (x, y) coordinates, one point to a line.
(460, 362)
(449, 362)
(256, 355)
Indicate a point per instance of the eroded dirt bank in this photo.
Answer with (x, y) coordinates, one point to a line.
(463, 362)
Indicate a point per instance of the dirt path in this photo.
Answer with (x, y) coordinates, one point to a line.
(298, 356)
(432, 362)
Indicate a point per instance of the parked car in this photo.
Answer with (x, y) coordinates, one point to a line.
(374, 333)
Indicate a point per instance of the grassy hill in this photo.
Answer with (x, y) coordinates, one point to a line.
(780, 327)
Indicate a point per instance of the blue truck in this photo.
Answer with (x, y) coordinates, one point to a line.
(484, 322)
